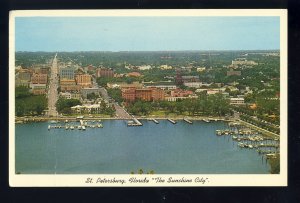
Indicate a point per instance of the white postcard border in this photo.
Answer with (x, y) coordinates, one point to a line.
(108, 180)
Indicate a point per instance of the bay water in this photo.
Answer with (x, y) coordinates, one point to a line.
(164, 148)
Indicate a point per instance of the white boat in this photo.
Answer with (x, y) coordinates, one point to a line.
(72, 127)
(218, 132)
(49, 127)
(66, 127)
(83, 127)
(206, 120)
(79, 127)
(100, 125)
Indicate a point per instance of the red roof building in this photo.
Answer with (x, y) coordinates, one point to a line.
(39, 78)
(144, 94)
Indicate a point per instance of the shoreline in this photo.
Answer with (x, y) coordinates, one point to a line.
(29, 119)
(46, 118)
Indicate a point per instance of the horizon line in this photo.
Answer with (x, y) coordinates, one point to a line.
(156, 50)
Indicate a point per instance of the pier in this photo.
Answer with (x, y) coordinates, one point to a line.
(81, 123)
(134, 122)
(154, 120)
(188, 121)
(172, 121)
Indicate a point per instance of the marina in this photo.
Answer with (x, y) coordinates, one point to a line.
(74, 125)
(247, 138)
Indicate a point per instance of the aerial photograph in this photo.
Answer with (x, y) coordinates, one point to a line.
(147, 95)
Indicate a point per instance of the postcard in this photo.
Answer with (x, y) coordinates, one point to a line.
(148, 98)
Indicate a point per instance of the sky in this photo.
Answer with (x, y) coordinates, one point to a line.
(146, 33)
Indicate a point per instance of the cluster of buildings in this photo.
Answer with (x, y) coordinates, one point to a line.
(170, 90)
(72, 80)
(77, 83)
(138, 91)
(35, 78)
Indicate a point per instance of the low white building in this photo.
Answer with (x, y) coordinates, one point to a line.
(201, 69)
(211, 90)
(193, 84)
(69, 95)
(165, 67)
(237, 101)
(174, 99)
(144, 67)
(66, 95)
(37, 86)
(86, 108)
(165, 85)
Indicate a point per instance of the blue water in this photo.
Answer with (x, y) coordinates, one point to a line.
(117, 149)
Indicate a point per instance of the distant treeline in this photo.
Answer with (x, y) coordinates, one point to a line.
(155, 58)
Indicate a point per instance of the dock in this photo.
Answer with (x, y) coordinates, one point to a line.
(188, 121)
(83, 125)
(134, 122)
(154, 120)
(172, 121)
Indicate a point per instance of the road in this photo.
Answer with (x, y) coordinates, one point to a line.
(236, 116)
(121, 113)
(53, 85)
(104, 94)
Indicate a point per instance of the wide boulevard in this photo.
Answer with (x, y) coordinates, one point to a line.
(52, 93)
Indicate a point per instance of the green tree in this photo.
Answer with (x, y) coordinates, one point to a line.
(92, 96)
(22, 92)
(20, 108)
(64, 105)
(116, 94)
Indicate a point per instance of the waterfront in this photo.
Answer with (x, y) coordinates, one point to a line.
(164, 148)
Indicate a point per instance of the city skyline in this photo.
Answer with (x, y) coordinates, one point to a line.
(59, 34)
